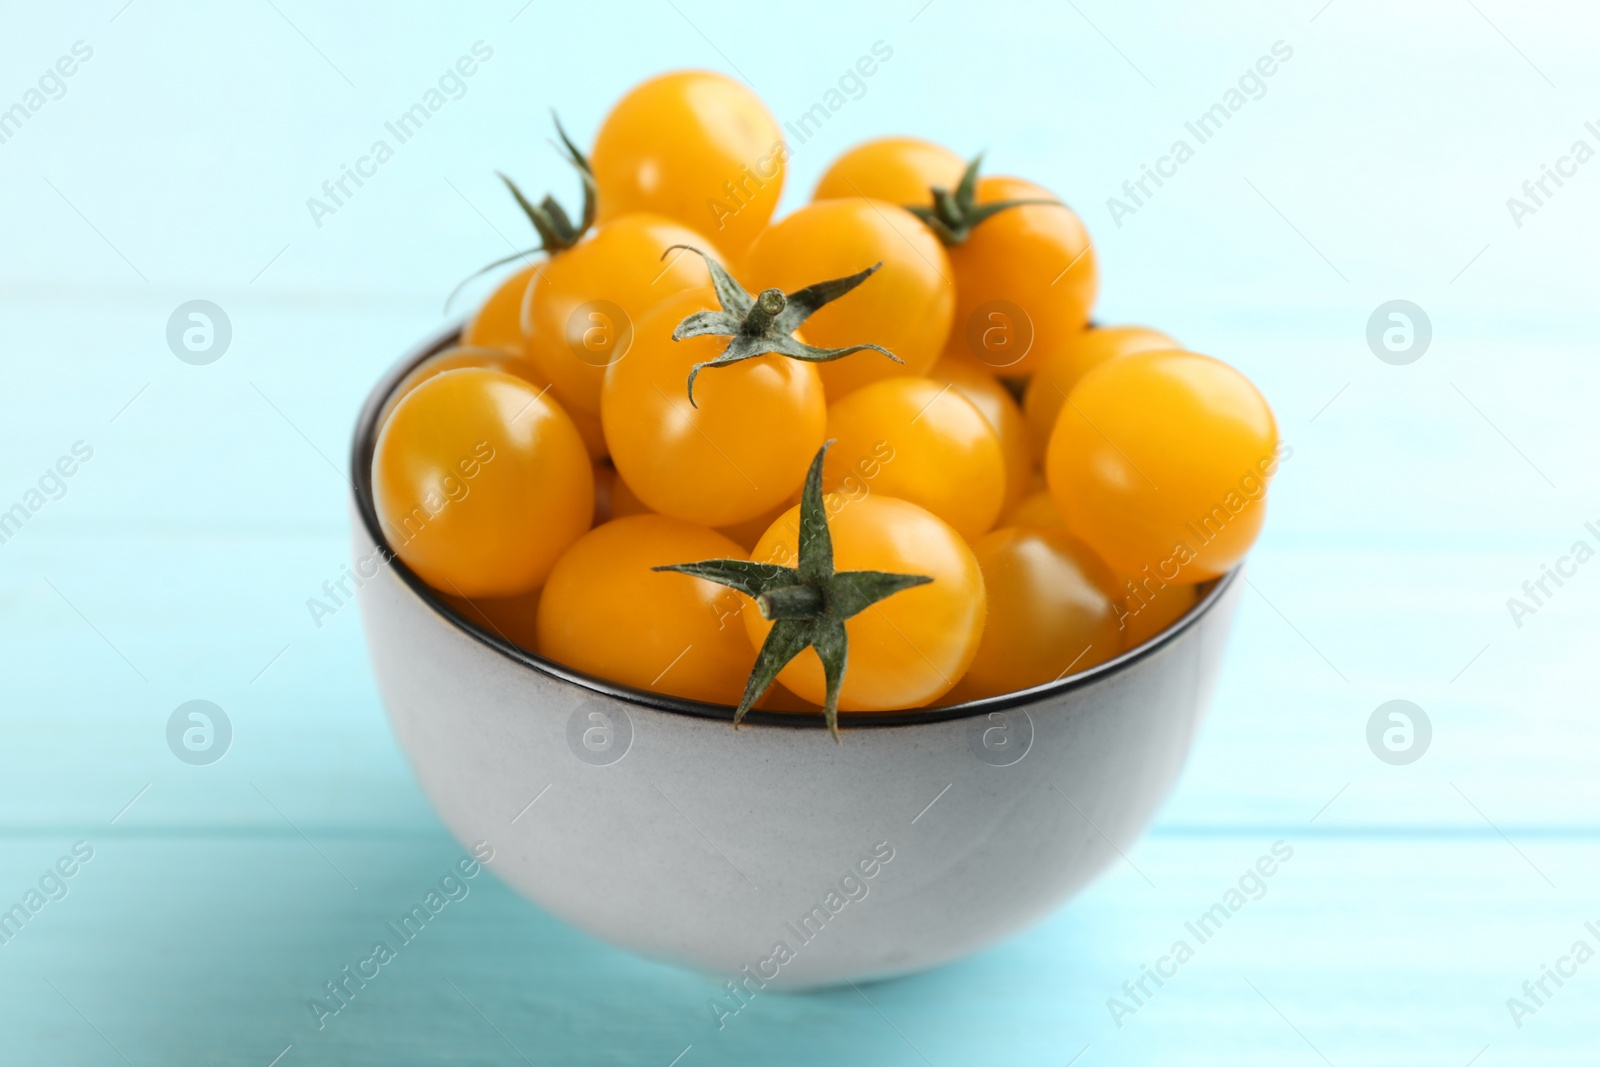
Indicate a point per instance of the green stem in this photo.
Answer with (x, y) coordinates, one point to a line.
(790, 602)
(955, 213)
(768, 306)
(808, 604)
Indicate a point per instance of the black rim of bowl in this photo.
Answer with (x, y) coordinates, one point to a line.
(365, 439)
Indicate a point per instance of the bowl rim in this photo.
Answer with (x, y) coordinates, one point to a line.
(364, 442)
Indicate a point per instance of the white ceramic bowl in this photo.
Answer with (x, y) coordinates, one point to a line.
(768, 852)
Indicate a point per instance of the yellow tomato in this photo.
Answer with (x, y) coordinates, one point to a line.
(1025, 278)
(901, 170)
(1061, 369)
(606, 613)
(905, 651)
(1052, 611)
(582, 309)
(694, 146)
(501, 360)
(480, 482)
(457, 359)
(1161, 461)
(973, 381)
(740, 453)
(905, 307)
(498, 323)
(920, 441)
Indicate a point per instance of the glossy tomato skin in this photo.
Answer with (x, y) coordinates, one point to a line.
(498, 322)
(972, 379)
(480, 483)
(1052, 611)
(493, 359)
(694, 146)
(920, 441)
(1065, 365)
(741, 452)
(583, 307)
(906, 651)
(906, 306)
(900, 170)
(1161, 461)
(606, 613)
(457, 359)
(1027, 271)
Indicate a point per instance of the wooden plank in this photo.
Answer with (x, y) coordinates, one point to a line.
(207, 947)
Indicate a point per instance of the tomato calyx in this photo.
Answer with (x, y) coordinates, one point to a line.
(955, 213)
(808, 603)
(765, 323)
(557, 232)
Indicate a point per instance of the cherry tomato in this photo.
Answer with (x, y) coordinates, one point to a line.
(456, 359)
(920, 441)
(605, 612)
(900, 170)
(1079, 354)
(1052, 611)
(1161, 461)
(1026, 275)
(905, 307)
(582, 309)
(1038, 508)
(1146, 608)
(740, 453)
(494, 359)
(694, 146)
(513, 618)
(480, 483)
(972, 380)
(498, 323)
(905, 651)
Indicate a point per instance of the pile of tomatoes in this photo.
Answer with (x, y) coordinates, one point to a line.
(1066, 486)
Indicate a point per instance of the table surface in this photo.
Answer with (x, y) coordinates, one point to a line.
(175, 564)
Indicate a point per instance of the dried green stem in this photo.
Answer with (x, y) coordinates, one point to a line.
(758, 325)
(808, 604)
(557, 232)
(790, 602)
(956, 212)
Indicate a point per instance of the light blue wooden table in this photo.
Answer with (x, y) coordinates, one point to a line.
(174, 564)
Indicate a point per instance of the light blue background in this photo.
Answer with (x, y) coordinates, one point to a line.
(1419, 498)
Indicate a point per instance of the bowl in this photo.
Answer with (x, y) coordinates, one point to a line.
(768, 853)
